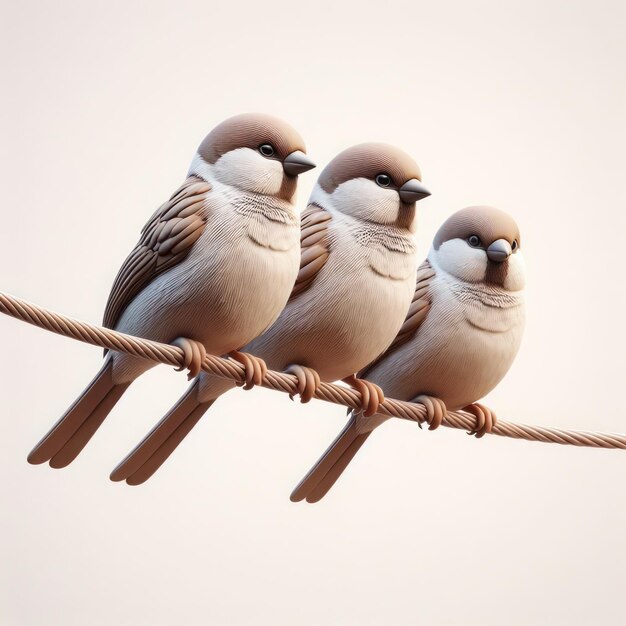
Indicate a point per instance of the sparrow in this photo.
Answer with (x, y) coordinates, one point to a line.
(357, 272)
(460, 336)
(213, 268)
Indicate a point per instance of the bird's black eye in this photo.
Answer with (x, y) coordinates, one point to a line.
(267, 149)
(383, 180)
(514, 245)
(474, 241)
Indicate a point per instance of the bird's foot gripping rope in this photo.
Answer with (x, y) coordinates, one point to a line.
(308, 382)
(194, 354)
(287, 383)
(435, 410)
(372, 395)
(485, 419)
(254, 367)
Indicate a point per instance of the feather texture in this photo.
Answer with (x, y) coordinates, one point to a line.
(418, 310)
(315, 246)
(165, 240)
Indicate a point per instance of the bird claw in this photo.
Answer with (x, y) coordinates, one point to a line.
(194, 354)
(308, 382)
(372, 395)
(485, 419)
(255, 368)
(435, 410)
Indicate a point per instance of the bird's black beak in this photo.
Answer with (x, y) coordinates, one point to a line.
(412, 191)
(499, 251)
(296, 163)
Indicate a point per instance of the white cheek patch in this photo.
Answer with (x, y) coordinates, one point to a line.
(461, 260)
(246, 169)
(320, 197)
(199, 167)
(364, 199)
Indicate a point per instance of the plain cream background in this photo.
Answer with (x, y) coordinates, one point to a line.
(516, 104)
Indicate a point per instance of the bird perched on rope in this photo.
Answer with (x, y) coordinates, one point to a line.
(213, 268)
(460, 336)
(356, 280)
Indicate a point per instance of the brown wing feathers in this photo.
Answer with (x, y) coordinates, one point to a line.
(314, 242)
(165, 240)
(419, 305)
(418, 310)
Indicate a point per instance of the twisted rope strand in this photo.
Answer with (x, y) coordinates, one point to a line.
(287, 383)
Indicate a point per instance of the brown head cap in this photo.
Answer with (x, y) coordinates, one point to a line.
(367, 160)
(486, 222)
(250, 130)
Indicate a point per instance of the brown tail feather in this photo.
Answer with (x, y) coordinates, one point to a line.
(331, 477)
(162, 440)
(71, 433)
(163, 453)
(338, 455)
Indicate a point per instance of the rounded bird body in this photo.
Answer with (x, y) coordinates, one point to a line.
(219, 295)
(213, 268)
(464, 347)
(460, 336)
(361, 295)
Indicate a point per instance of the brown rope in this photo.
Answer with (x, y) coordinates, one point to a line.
(227, 368)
